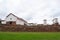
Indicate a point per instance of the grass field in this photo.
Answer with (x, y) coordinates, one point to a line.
(29, 35)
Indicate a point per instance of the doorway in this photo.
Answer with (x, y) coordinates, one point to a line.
(10, 23)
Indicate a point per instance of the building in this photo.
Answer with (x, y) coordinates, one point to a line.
(13, 20)
(19, 24)
(55, 21)
(45, 22)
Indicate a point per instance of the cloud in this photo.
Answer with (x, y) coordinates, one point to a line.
(32, 10)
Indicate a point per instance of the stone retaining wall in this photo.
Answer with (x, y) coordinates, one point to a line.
(25, 28)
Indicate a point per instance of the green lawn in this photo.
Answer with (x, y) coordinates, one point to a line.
(29, 35)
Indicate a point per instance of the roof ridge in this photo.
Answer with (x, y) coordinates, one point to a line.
(17, 17)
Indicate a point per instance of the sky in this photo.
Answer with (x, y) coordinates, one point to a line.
(33, 11)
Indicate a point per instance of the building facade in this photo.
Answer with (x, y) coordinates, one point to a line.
(13, 20)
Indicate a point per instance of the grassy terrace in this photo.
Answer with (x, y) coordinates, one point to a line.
(29, 35)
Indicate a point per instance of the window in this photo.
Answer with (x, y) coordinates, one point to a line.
(10, 18)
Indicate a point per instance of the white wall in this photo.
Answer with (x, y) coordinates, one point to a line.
(20, 22)
(11, 18)
(14, 19)
(3, 22)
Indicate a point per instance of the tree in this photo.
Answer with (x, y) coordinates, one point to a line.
(0, 21)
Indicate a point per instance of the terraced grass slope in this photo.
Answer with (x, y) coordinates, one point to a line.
(29, 35)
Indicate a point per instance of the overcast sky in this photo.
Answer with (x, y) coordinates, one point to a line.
(31, 10)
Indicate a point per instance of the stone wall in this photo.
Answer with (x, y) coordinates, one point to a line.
(11, 23)
(25, 28)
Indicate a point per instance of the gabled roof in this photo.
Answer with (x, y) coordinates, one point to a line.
(17, 17)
